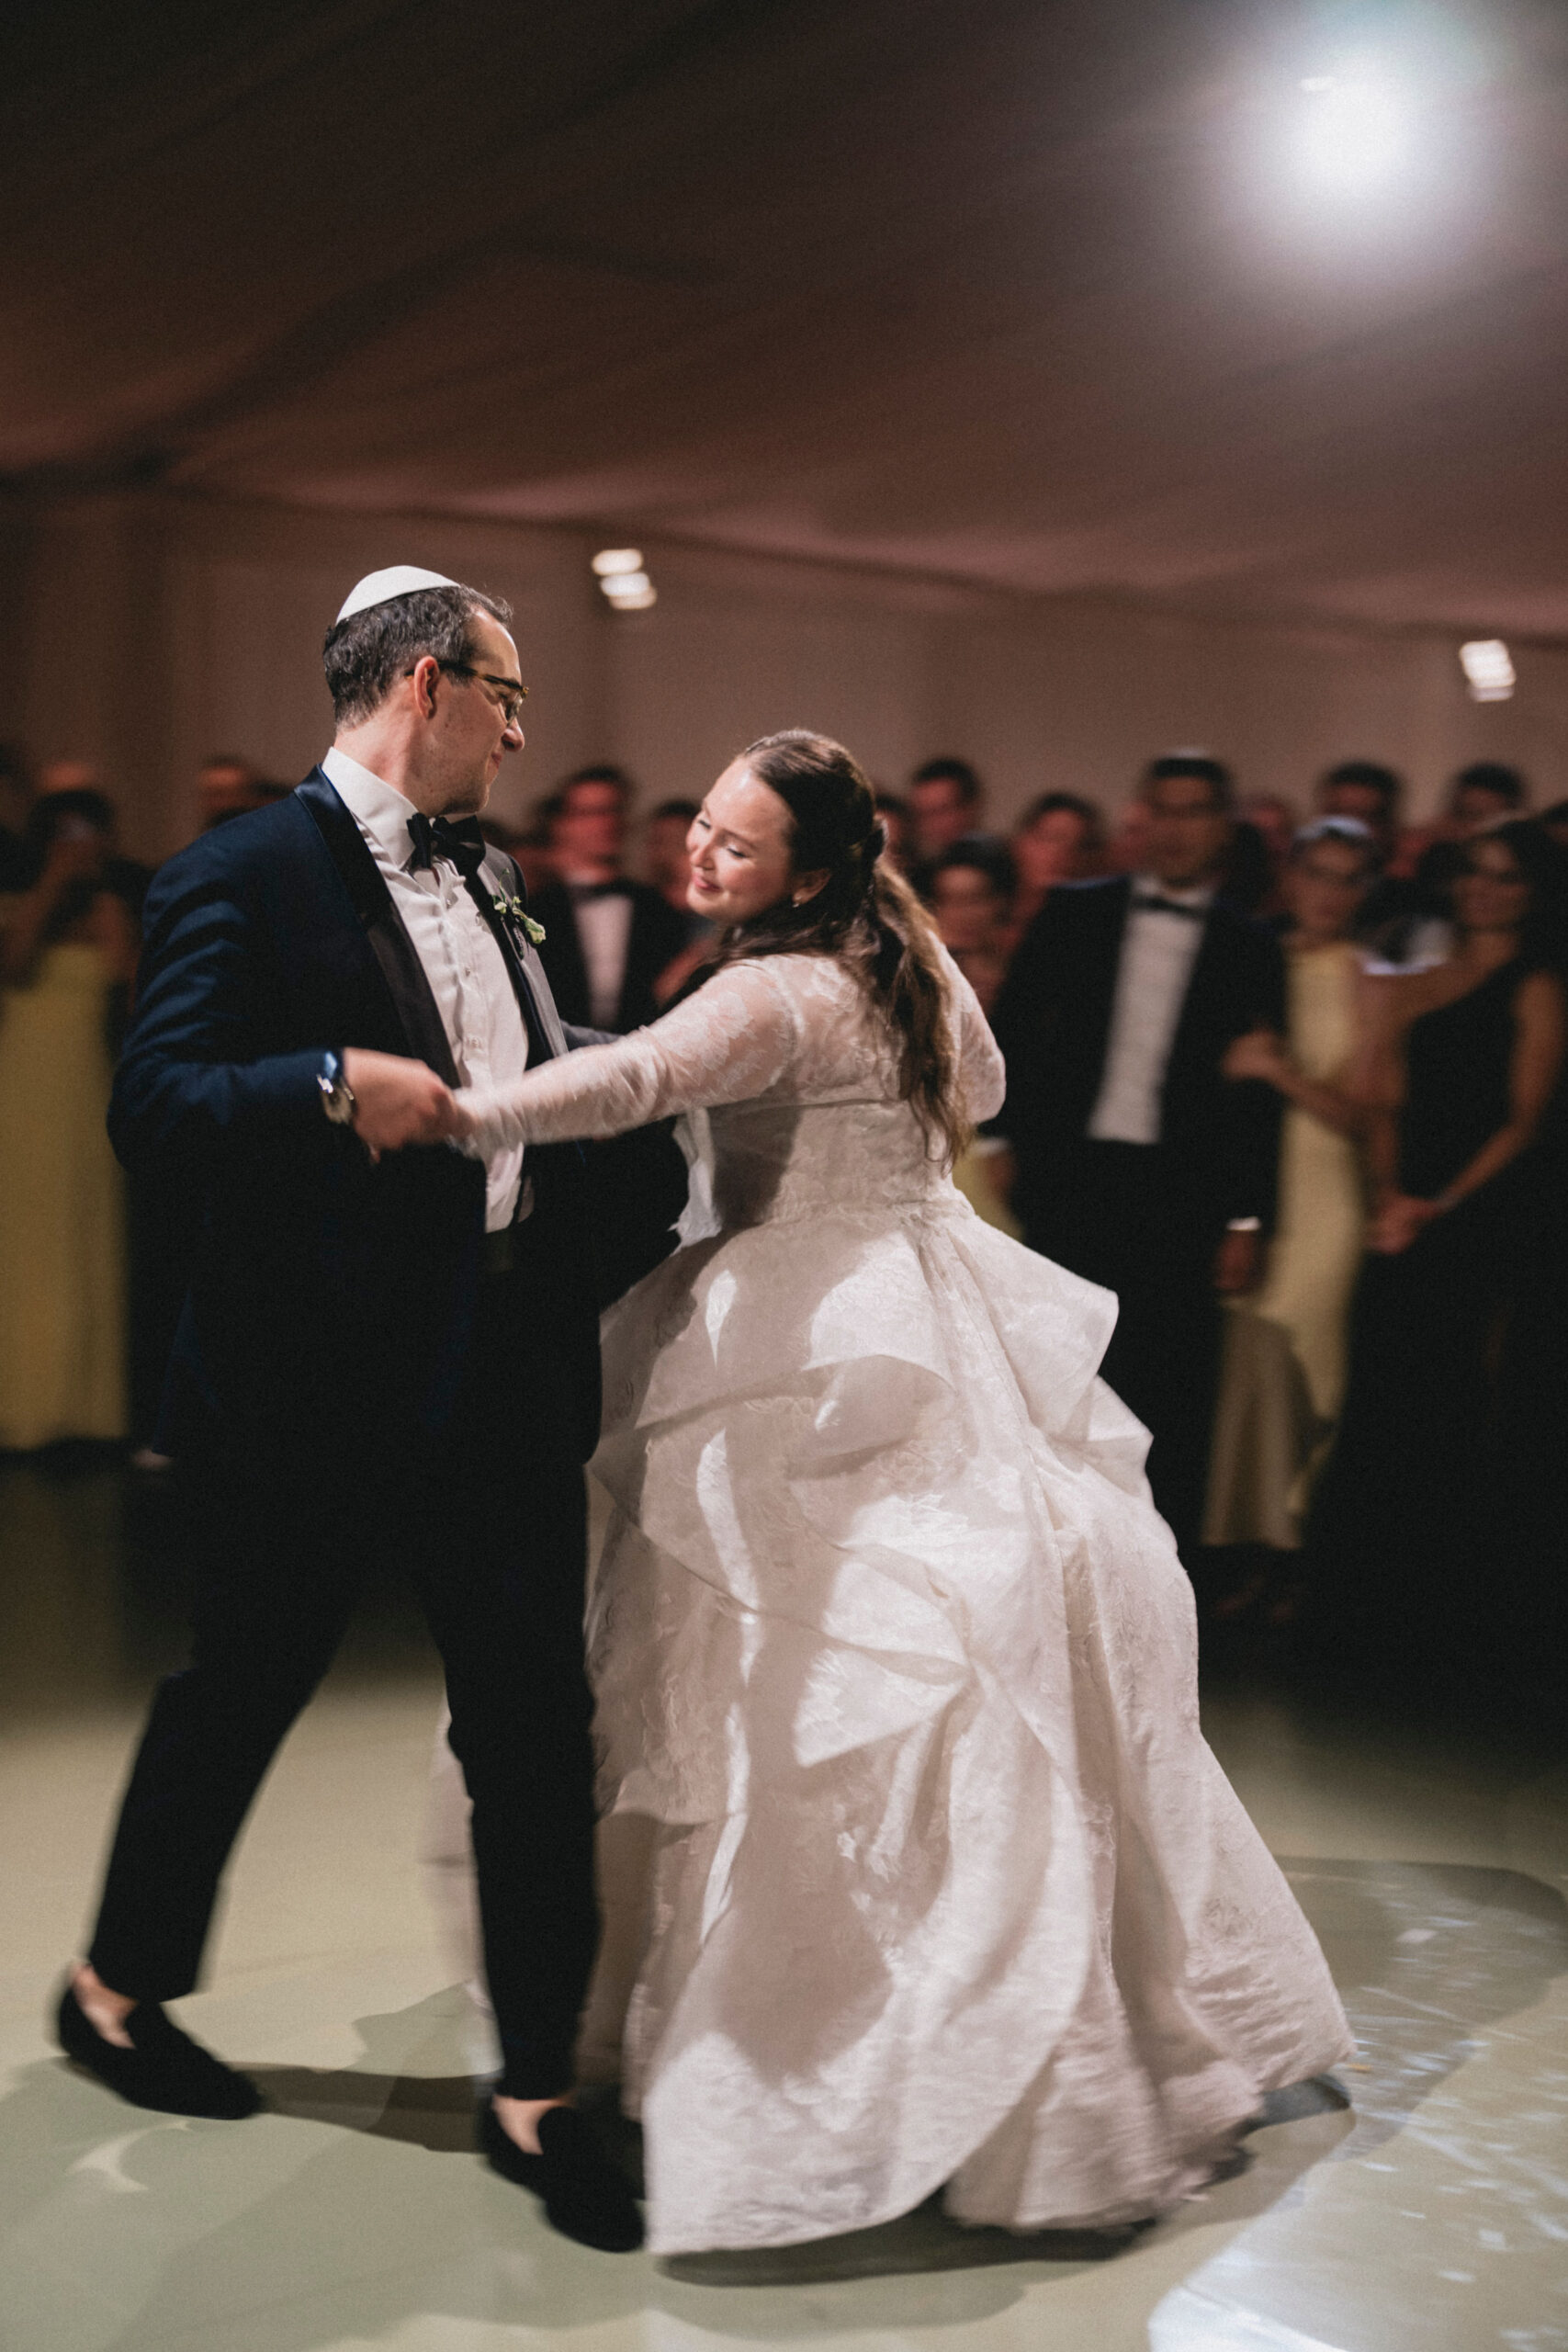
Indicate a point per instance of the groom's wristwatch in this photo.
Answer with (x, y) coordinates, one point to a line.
(337, 1096)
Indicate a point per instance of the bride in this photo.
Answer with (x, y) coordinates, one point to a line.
(887, 1635)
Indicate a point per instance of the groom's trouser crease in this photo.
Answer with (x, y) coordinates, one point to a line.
(489, 1521)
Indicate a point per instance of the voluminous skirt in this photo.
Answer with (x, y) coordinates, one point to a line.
(888, 1637)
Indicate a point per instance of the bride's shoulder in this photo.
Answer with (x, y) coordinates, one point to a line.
(802, 977)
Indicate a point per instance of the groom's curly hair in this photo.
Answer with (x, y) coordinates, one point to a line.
(865, 913)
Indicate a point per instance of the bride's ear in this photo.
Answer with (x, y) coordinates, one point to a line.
(807, 886)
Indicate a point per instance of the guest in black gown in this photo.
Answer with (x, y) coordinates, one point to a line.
(1421, 1510)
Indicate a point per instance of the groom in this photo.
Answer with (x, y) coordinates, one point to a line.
(387, 1348)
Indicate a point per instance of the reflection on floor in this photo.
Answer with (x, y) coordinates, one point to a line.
(1433, 1861)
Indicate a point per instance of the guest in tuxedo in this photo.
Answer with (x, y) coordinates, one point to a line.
(384, 1351)
(1138, 1163)
(607, 939)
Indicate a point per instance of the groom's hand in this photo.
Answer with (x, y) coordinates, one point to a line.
(397, 1101)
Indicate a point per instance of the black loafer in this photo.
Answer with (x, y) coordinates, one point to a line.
(163, 2068)
(584, 2196)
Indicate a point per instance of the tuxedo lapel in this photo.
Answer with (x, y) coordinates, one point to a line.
(529, 986)
(1108, 906)
(1204, 1007)
(388, 942)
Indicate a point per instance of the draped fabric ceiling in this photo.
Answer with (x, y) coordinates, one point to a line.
(1025, 294)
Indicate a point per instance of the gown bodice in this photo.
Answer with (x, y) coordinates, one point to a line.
(794, 1075)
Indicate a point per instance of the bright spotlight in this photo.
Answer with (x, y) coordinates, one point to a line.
(1354, 129)
(611, 560)
(1488, 671)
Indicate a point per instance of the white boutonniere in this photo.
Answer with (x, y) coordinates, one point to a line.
(512, 911)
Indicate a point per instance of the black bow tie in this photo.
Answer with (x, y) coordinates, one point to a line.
(1150, 902)
(584, 893)
(462, 845)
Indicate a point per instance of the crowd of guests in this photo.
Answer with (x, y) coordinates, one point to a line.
(1287, 1081)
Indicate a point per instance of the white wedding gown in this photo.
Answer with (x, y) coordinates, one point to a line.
(890, 1639)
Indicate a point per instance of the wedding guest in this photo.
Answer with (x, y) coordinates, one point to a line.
(897, 829)
(1470, 1059)
(16, 798)
(1128, 838)
(945, 801)
(1369, 793)
(1401, 923)
(67, 950)
(970, 889)
(665, 861)
(1059, 838)
(1284, 1356)
(1274, 821)
(1265, 827)
(668, 860)
(1139, 1163)
(228, 786)
(534, 846)
(1486, 792)
(607, 939)
(969, 892)
(1246, 877)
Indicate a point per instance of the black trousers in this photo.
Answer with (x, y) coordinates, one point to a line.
(1117, 1215)
(490, 1521)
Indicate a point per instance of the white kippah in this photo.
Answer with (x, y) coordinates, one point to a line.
(380, 587)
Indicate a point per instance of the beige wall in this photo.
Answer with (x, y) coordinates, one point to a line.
(146, 630)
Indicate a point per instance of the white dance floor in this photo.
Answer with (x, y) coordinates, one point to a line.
(1429, 2216)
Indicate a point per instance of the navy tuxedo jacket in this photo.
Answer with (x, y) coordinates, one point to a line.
(331, 1299)
(1218, 1140)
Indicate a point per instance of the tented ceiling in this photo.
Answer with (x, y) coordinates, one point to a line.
(1030, 295)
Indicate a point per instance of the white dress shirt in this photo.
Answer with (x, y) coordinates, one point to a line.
(604, 934)
(466, 969)
(1158, 951)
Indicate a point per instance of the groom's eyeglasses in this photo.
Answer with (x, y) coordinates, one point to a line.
(510, 696)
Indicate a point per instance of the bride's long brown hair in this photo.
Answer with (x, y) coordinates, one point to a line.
(866, 914)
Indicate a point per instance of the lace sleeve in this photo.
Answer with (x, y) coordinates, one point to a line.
(731, 1041)
(981, 1070)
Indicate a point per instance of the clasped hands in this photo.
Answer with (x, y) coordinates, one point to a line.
(398, 1102)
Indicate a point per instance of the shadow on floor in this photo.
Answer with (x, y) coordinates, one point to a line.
(128, 2232)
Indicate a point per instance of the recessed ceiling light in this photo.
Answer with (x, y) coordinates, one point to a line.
(611, 560)
(1488, 671)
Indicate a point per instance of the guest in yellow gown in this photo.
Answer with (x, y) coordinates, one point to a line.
(67, 945)
(1286, 1344)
